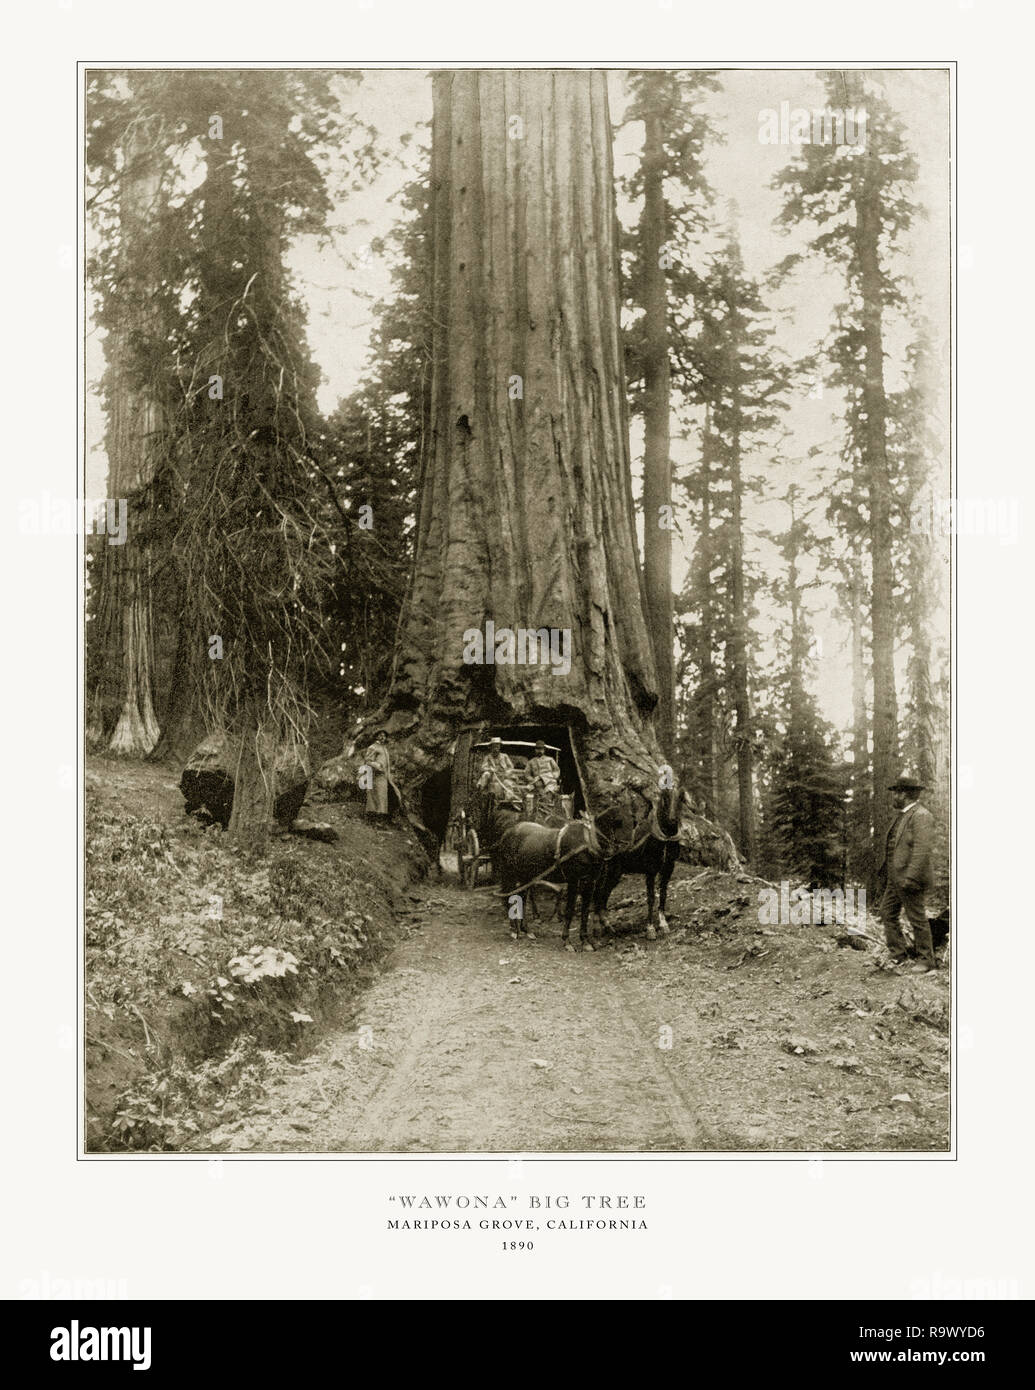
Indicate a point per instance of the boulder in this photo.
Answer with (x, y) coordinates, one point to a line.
(316, 830)
(701, 841)
(207, 782)
(338, 779)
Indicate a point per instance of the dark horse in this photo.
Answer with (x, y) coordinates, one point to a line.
(435, 794)
(653, 851)
(524, 850)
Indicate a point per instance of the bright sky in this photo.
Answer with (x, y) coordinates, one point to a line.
(341, 280)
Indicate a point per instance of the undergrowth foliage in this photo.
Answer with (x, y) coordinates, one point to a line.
(167, 1107)
(205, 970)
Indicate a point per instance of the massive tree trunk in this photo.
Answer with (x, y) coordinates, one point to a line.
(121, 709)
(526, 513)
(875, 464)
(657, 464)
(743, 733)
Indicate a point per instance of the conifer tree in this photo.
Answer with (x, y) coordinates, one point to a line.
(854, 199)
(663, 280)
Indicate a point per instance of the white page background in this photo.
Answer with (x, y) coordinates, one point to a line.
(717, 1229)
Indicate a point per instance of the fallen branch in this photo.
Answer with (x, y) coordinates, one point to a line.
(129, 1056)
(143, 1020)
(864, 935)
(697, 877)
(174, 864)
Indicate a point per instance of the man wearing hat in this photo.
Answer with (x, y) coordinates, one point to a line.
(546, 774)
(907, 859)
(498, 775)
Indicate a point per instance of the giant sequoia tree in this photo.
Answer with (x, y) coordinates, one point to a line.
(526, 515)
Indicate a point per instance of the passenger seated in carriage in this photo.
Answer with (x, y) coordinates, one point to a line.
(545, 777)
(498, 777)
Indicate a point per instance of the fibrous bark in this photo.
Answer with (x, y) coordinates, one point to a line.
(122, 658)
(739, 678)
(657, 463)
(875, 464)
(526, 514)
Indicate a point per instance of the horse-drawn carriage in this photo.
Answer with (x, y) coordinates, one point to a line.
(481, 793)
(532, 824)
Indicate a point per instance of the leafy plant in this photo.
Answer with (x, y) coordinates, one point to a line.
(166, 1108)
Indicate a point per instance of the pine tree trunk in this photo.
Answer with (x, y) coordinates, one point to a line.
(861, 830)
(796, 701)
(923, 584)
(657, 464)
(739, 664)
(706, 701)
(526, 513)
(254, 757)
(875, 465)
(136, 731)
(122, 624)
(182, 724)
(122, 662)
(923, 707)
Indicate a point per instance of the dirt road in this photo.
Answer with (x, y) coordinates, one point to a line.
(471, 1042)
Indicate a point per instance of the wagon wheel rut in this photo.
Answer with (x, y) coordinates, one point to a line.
(470, 1042)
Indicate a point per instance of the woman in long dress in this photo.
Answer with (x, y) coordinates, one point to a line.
(376, 758)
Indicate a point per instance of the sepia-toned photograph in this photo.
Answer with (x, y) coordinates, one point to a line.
(517, 610)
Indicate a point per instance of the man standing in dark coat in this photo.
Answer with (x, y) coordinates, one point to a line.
(907, 859)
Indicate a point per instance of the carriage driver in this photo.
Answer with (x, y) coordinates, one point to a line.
(498, 775)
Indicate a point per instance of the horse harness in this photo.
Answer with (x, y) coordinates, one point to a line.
(559, 858)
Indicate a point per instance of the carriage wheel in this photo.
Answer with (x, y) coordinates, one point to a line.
(468, 858)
